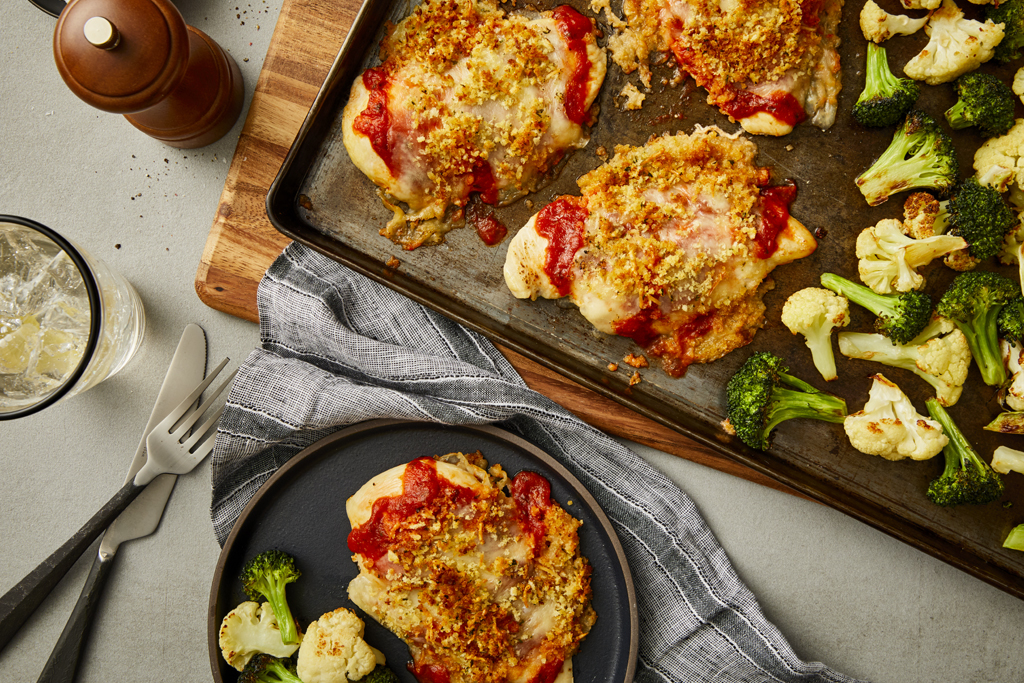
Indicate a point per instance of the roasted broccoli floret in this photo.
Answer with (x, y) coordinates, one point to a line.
(381, 674)
(885, 98)
(1009, 13)
(901, 317)
(265, 576)
(977, 213)
(762, 394)
(984, 102)
(920, 155)
(264, 668)
(1010, 322)
(967, 479)
(940, 356)
(973, 301)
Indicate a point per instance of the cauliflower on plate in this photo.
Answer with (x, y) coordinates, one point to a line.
(889, 259)
(920, 4)
(1005, 460)
(956, 45)
(878, 25)
(814, 312)
(333, 649)
(249, 629)
(999, 162)
(1018, 83)
(888, 426)
(1012, 393)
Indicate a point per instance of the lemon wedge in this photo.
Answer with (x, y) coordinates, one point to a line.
(18, 347)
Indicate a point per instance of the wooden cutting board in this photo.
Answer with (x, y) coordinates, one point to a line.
(242, 242)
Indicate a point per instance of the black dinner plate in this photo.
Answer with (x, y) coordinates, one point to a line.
(301, 510)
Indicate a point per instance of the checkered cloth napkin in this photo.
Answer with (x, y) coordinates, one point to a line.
(338, 349)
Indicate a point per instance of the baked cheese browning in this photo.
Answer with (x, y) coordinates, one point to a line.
(767, 63)
(469, 99)
(481, 576)
(672, 242)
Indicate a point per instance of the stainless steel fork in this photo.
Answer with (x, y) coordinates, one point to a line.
(169, 448)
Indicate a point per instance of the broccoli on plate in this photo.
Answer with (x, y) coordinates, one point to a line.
(1009, 13)
(381, 674)
(901, 317)
(885, 98)
(939, 355)
(977, 213)
(266, 576)
(973, 301)
(264, 668)
(966, 479)
(763, 394)
(921, 155)
(814, 313)
(984, 102)
(888, 426)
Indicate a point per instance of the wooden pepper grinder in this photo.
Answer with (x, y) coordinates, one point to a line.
(138, 58)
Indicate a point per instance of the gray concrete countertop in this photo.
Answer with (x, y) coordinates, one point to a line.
(842, 592)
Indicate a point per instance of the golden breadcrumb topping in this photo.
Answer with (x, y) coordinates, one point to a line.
(468, 590)
(651, 208)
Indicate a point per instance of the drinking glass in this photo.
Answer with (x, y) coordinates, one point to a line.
(67, 321)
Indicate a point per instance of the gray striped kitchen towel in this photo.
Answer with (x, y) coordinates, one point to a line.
(338, 348)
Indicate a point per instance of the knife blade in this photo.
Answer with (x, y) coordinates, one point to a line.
(141, 518)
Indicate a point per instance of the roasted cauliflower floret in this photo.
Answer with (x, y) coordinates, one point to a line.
(333, 649)
(920, 4)
(814, 312)
(878, 25)
(939, 355)
(248, 629)
(999, 162)
(956, 45)
(1006, 459)
(889, 259)
(1012, 393)
(1018, 84)
(888, 426)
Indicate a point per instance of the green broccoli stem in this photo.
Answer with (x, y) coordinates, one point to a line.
(803, 401)
(879, 80)
(274, 592)
(879, 304)
(983, 339)
(958, 452)
(957, 117)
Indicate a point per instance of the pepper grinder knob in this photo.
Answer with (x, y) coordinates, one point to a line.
(140, 59)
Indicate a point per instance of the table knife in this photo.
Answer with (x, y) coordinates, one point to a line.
(187, 369)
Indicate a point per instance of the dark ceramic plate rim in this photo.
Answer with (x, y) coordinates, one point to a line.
(333, 442)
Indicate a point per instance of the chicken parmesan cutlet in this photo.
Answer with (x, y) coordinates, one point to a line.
(768, 64)
(669, 244)
(480, 575)
(470, 99)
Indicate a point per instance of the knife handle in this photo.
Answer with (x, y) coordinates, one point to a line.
(18, 604)
(63, 662)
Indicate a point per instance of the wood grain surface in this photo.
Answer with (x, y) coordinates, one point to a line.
(242, 242)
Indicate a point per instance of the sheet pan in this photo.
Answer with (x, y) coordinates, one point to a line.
(320, 199)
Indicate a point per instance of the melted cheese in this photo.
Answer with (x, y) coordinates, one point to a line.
(469, 86)
(452, 571)
(670, 229)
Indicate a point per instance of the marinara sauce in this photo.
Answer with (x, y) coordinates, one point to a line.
(574, 28)
(781, 105)
(420, 487)
(561, 222)
(375, 120)
(775, 203)
(531, 494)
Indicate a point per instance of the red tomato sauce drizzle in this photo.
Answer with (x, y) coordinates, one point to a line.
(490, 230)
(775, 203)
(561, 222)
(575, 28)
(429, 673)
(420, 487)
(780, 105)
(531, 494)
(484, 183)
(639, 327)
(375, 121)
(548, 671)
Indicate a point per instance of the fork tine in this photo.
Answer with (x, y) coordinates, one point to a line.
(201, 410)
(167, 424)
(201, 432)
